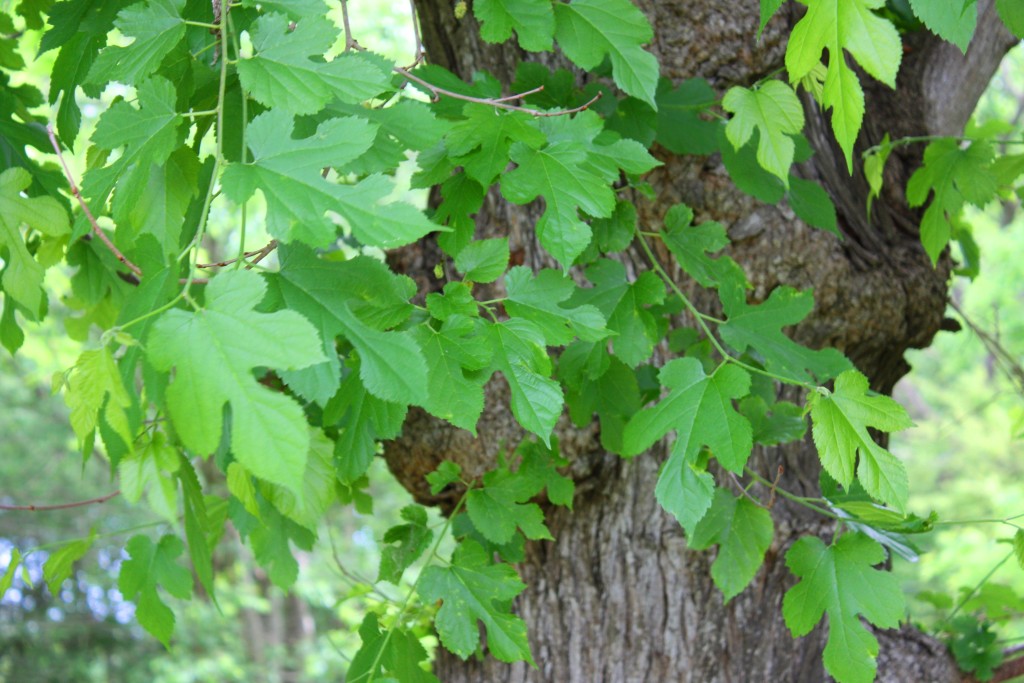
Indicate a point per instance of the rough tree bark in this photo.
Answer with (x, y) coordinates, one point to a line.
(618, 597)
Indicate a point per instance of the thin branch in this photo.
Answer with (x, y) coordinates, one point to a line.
(62, 506)
(437, 92)
(420, 53)
(745, 492)
(1006, 361)
(259, 255)
(350, 43)
(85, 207)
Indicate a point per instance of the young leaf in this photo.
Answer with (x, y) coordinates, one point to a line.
(743, 531)
(94, 389)
(282, 75)
(152, 565)
(481, 143)
(590, 30)
(395, 653)
(22, 276)
(472, 589)
(500, 506)
(213, 352)
(839, 581)
(12, 567)
(840, 429)
(776, 112)
(700, 409)
(690, 244)
(760, 327)
(60, 563)
(533, 21)
(953, 20)
(842, 26)
(157, 27)
(404, 544)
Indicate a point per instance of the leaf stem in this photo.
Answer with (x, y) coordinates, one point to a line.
(977, 587)
(799, 500)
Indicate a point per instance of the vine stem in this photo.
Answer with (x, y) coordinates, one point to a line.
(799, 500)
(412, 591)
(702, 318)
(62, 506)
(85, 207)
(977, 587)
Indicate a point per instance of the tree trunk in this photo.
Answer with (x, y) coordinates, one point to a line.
(617, 596)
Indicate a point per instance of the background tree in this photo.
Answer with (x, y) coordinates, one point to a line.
(245, 394)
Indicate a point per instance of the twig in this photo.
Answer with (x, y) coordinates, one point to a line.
(62, 506)
(350, 44)
(498, 103)
(1003, 358)
(739, 485)
(775, 485)
(419, 54)
(260, 254)
(85, 207)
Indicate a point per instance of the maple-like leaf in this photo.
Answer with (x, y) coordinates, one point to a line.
(472, 589)
(543, 299)
(953, 20)
(481, 143)
(501, 506)
(532, 20)
(95, 389)
(394, 652)
(742, 531)
(404, 544)
(844, 26)
(213, 352)
(282, 75)
(149, 566)
(454, 354)
(699, 408)
(157, 27)
(840, 422)
(838, 580)
(588, 31)
(520, 354)
(22, 276)
(775, 111)
(685, 489)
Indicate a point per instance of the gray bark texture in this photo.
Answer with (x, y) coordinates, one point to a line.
(618, 597)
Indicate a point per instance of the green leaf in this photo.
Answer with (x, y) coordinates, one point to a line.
(289, 173)
(404, 544)
(60, 563)
(544, 299)
(952, 20)
(742, 531)
(318, 492)
(840, 428)
(812, 204)
(483, 260)
(151, 469)
(364, 420)
(481, 143)
(157, 27)
(152, 565)
(956, 176)
(22, 276)
(685, 489)
(163, 204)
(388, 656)
(760, 328)
(358, 299)
(1018, 548)
(213, 352)
(699, 407)
(12, 567)
(471, 590)
(1012, 14)
(590, 30)
(559, 174)
(287, 72)
(500, 506)
(270, 544)
(149, 135)
(447, 473)
(844, 26)
(532, 20)
(203, 530)
(615, 233)
(768, 9)
(94, 389)
(776, 112)
(690, 244)
(453, 355)
(625, 305)
(520, 354)
(680, 128)
(839, 581)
